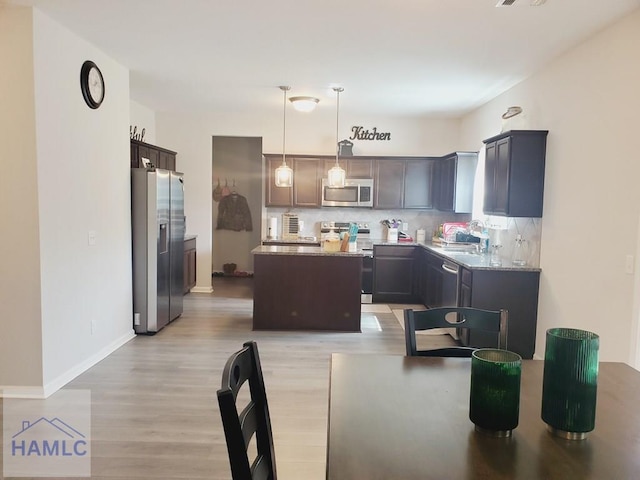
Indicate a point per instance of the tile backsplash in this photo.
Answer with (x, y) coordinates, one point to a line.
(312, 218)
(502, 230)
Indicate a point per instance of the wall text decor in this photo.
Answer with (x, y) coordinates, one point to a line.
(133, 133)
(359, 133)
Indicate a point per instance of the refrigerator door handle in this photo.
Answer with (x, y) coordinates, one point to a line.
(163, 245)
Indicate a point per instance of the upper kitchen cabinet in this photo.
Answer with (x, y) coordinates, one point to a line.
(354, 167)
(307, 177)
(514, 173)
(158, 156)
(419, 183)
(404, 182)
(455, 174)
(359, 167)
(276, 196)
(389, 183)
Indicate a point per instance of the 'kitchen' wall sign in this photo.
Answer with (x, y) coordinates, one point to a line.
(359, 133)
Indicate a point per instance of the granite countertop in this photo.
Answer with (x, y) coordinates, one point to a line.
(298, 241)
(313, 251)
(466, 259)
(189, 237)
(469, 260)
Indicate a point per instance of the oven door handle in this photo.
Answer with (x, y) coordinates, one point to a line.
(449, 269)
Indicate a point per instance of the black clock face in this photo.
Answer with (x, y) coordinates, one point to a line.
(92, 84)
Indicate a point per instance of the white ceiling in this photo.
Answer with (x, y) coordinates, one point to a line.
(400, 57)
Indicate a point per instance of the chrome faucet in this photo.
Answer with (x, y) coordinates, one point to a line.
(476, 225)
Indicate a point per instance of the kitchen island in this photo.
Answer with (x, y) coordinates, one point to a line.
(305, 288)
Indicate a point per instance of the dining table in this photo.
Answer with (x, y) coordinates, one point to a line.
(395, 417)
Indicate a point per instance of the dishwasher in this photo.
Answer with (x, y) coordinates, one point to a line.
(449, 284)
(450, 293)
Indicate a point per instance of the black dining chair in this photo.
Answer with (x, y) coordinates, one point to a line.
(244, 422)
(453, 317)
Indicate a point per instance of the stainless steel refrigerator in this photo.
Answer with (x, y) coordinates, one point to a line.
(157, 211)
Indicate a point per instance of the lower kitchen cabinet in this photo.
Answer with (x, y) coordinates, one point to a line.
(515, 291)
(189, 264)
(394, 278)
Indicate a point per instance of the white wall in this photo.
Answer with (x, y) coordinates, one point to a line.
(310, 133)
(68, 175)
(20, 327)
(588, 99)
(84, 186)
(142, 117)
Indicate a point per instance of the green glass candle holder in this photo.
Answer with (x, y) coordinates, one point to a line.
(494, 404)
(570, 381)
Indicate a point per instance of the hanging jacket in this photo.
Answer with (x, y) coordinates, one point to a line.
(234, 213)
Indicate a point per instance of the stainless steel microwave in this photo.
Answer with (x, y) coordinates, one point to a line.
(357, 192)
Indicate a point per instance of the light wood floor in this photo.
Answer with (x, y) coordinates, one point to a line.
(154, 407)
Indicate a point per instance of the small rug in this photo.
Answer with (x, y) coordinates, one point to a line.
(399, 314)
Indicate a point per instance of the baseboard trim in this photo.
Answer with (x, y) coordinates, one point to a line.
(202, 290)
(12, 391)
(59, 382)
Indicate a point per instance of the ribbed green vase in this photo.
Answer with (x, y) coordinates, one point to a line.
(494, 404)
(570, 382)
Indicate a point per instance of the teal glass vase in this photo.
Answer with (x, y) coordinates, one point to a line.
(570, 382)
(494, 404)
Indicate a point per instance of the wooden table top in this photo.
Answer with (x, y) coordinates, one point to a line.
(395, 418)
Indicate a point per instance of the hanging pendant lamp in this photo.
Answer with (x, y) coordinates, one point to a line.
(337, 175)
(284, 173)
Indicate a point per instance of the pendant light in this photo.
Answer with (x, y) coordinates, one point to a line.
(284, 174)
(337, 175)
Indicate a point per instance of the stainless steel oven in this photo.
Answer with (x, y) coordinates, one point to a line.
(364, 244)
(357, 192)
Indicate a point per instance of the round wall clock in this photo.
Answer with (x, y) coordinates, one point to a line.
(92, 84)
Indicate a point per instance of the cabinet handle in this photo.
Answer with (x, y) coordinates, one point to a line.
(449, 269)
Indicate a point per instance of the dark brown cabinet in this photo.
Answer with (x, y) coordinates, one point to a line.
(359, 167)
(389, 183)
(514, 291)
(514, 173)
(398, 182)
(455, 175)
(307, 177)
(394, 278)
(158, 156)
(189, 264)
(353, 167)
(403, 182)
(419, 183)
(276, 196)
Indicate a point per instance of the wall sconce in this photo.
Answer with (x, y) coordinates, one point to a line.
(304, 104)
(284, 173)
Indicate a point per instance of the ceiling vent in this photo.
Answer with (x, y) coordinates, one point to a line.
(505, 3)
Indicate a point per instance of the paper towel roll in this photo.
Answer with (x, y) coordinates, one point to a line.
(272, 227)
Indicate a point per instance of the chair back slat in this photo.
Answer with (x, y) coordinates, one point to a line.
(243, 367)
(453, 317)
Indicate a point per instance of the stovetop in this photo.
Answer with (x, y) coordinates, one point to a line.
(326, 227)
